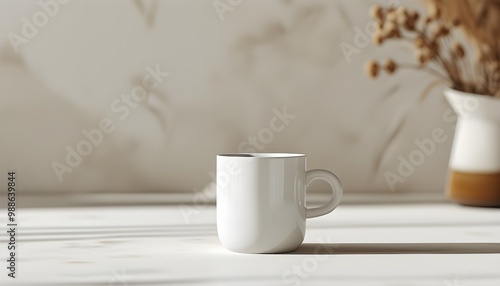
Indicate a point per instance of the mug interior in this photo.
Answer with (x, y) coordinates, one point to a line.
(262, 155)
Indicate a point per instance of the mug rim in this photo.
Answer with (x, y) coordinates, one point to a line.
(262, 155)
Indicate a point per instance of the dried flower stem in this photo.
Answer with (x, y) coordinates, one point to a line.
(426, 69)
(435, 42)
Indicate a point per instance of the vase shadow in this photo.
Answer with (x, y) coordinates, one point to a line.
(396, 248)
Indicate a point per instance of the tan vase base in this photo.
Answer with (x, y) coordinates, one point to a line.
(474, 189)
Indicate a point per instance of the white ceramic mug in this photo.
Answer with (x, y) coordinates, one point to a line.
(261, 200)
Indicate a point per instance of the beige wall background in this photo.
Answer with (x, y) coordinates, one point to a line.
(228, 73)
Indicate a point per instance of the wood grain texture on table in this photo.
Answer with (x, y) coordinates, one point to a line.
(420, 244)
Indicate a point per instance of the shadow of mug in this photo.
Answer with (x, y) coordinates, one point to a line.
(396, 248)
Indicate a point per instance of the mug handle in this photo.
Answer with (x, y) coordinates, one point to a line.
(337, 191)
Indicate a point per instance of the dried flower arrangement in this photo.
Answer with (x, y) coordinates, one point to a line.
(437, 45)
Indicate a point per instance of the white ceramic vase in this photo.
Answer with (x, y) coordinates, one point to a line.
(474, 177)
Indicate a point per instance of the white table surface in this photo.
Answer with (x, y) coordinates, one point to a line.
(421, 244)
